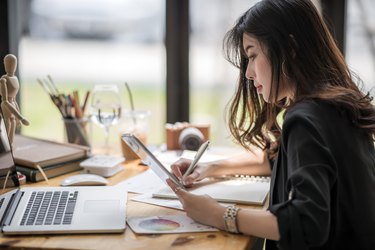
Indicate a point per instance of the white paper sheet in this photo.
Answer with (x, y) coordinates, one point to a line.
(147, 198)
(145, 182)
(170, 203)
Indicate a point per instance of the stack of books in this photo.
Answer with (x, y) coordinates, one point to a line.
(54, 158)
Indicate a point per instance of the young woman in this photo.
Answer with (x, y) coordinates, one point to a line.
(296, 101)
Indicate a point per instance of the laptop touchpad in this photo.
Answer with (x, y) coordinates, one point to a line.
(100, 206)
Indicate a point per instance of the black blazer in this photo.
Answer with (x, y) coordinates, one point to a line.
(323, 181)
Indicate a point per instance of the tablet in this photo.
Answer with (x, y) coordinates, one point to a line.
(149, 159)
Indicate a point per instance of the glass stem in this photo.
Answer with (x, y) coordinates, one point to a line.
(106, 135)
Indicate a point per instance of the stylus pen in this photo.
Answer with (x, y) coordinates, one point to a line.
(199, 154)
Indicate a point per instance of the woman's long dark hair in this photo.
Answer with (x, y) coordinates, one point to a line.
(304, 57)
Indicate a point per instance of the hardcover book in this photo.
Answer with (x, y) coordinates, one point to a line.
(34, 175)
(32, 152)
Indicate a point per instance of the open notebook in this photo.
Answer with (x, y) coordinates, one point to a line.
(249, 190)
(243, 190)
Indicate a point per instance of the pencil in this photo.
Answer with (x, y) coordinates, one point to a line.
(85, 101)
(77, 106)
(53, 84)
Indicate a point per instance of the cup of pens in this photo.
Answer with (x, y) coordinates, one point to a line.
(72, 110)
(75, 122)
(76, 130)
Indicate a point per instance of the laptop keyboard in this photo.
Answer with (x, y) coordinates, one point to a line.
(50, 208)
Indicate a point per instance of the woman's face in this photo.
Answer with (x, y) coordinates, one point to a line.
(258, 68)
(260, 71)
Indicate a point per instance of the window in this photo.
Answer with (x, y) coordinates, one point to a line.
(212, 78)
(360, 41)
(87, 42)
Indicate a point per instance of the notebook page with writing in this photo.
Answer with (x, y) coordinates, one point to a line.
(250, 190)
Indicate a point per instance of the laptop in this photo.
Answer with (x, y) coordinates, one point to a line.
(55, 210)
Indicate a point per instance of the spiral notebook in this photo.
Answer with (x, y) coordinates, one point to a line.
(252, 190)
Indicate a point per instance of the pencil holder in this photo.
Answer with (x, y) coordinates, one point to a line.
(76, 131)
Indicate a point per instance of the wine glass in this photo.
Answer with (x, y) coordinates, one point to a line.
(106, 108)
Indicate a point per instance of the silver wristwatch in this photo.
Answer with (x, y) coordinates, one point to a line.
(230, 219)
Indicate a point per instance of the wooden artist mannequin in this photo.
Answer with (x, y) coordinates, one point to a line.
(9, 87)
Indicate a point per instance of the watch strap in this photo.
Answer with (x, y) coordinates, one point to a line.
(230, 219)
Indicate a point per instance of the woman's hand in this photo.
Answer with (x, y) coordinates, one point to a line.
(179, 168)
(200, 208)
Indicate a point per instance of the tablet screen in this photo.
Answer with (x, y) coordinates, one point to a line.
(149, 159)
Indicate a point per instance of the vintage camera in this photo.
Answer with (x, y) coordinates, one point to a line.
(183, 135)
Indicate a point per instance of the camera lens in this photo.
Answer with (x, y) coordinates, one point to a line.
(190, 138)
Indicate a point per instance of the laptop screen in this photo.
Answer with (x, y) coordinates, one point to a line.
(8, 173)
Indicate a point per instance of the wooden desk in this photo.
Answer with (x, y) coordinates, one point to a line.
(129, 240)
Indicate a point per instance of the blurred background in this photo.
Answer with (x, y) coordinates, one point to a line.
(85, 42)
